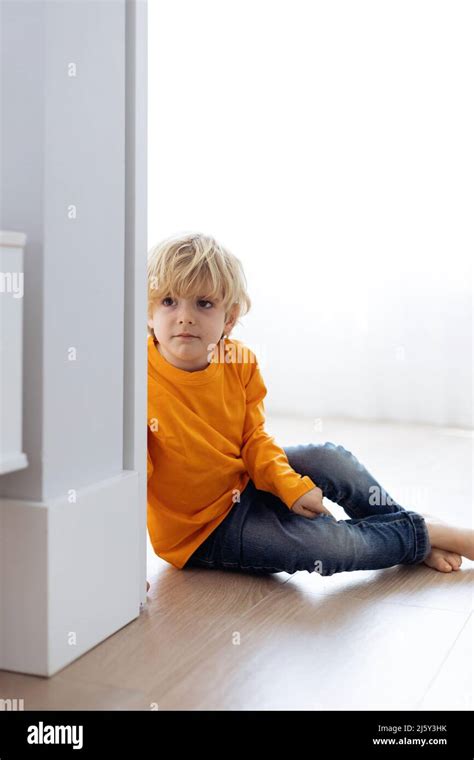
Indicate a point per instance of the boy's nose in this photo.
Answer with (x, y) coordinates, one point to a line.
(185, 316)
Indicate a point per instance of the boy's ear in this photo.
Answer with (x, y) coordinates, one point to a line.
(232, 318)
(150, 317)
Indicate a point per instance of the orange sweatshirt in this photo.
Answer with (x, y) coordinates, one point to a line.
(205, 441)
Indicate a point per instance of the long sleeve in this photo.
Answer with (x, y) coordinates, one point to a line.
(267, 463)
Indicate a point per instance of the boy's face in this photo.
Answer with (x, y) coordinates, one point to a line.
(203, 318)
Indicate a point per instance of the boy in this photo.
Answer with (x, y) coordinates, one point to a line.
(221, 492)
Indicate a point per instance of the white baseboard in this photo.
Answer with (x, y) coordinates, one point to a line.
(69, 574)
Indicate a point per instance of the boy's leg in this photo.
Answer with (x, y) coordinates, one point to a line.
(262, 535)
(275, 539)
(342, 479)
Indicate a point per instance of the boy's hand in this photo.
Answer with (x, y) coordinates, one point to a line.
(311, 504)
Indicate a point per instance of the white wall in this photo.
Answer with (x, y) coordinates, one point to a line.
(329, 145)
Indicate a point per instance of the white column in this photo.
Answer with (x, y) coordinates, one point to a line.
(73, 523)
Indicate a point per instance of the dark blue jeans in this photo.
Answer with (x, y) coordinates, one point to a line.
(261, 535)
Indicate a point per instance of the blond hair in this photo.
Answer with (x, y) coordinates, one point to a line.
(195, 264)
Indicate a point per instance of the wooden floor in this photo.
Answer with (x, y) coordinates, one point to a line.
(400, 638)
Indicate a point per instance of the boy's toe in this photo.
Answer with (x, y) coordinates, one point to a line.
(454, 560)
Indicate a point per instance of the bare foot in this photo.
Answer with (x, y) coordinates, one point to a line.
(450, 537)
(444, 561)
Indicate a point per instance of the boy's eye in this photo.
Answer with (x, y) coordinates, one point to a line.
(200, 302)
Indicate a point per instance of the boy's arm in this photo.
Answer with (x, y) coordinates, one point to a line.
(267, 463)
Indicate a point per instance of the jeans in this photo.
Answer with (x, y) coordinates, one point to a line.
(261, 534)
